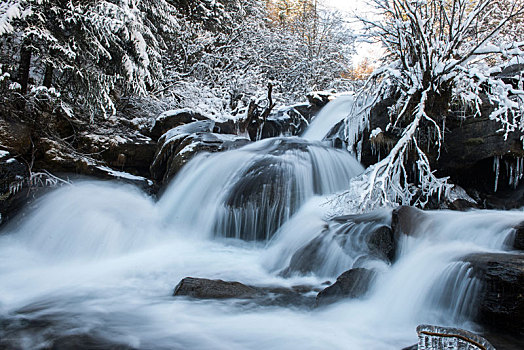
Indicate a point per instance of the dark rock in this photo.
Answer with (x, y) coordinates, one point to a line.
(381, 242)
(179, 145)
(128, 151)
(298, 296)
(512, 74)
(357, 238)
(469, 149)
(171, 119)
(456, 199)
(307, 259)
(320, 98)
(213, 289)
(437, 338)
(519, 237)
(501, 303)
(15, 135)
(14, 183)
(353, 283)
(412, 347)
(407, 221)
(288, 121)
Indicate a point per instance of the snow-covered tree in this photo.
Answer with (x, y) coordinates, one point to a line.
(90, 49)
(439, 53)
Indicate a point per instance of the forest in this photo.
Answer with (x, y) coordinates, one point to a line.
(238, 174)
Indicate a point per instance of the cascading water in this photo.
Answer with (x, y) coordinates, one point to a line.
(250, 192)
(334, 112)
(95, 264)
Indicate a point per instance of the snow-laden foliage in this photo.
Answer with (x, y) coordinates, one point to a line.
(97, 52)
(439, 54)
(237, 64)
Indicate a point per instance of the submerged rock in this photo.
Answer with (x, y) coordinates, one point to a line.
(501, 302)
(441, 338)
(347, 241)
(353, 283)
(202, 288)
(518, 243)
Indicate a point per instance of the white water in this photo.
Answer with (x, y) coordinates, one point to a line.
(328, 117)
(250, 192)
(101, 260)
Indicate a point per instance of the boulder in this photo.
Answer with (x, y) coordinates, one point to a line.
(353, 283)
(308, 259)
(173, 118)
(202, 288)
(287, 121)
(440, 338)
(127, 151)
(179, 145)
(407, 221)
(319, 99)
(347, 241)
(501, 302)
(382, 243)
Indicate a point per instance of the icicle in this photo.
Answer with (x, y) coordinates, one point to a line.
(496, 168)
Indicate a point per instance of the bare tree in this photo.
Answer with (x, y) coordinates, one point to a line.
(438, 52)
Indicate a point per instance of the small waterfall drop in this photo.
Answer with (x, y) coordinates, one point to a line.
(250, 192)
(328, 117)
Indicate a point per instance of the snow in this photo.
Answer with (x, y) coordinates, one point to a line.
(375, 132)
(123, 175)
(3, 153)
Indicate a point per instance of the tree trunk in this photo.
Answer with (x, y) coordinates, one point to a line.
(48, 75)
(23, 69)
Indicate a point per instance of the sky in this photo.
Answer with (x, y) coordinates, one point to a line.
(344, 5)
(364, 50)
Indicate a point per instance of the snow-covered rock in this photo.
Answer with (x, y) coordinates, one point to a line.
(177, 146)
(173, 118)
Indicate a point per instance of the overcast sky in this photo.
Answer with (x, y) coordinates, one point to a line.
(344, 5)
(372, 52)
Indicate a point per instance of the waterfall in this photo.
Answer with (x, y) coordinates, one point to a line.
(94, 264)
(250, 192)
(329, 116)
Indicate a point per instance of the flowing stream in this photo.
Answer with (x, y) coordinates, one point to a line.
(95, 264)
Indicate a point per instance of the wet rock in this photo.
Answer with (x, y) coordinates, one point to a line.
(353, 283)
(347, 241)
(440, 338)
(407, 221)
(171, 119)
(307, 259)
(181, 144)
(202, 288)
(381, 242)
(501, 302)
(519, 237)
